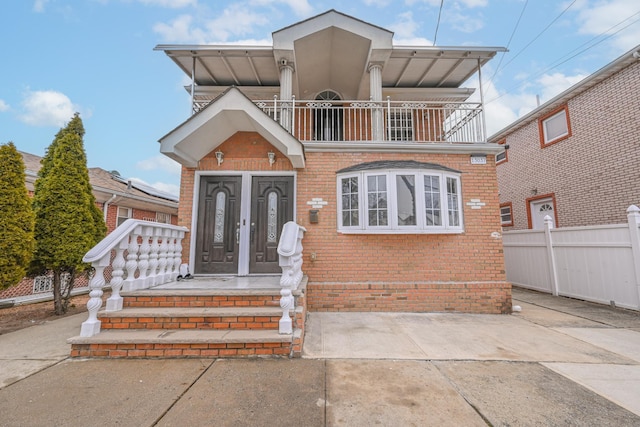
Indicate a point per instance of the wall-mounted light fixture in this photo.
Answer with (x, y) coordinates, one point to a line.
(219, 157)
(272, 157)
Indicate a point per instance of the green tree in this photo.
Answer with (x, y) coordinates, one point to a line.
(67, 221)
(16, 218)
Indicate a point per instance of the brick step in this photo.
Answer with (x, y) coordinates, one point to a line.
(149, 343)
(203, 298)
(194, 318)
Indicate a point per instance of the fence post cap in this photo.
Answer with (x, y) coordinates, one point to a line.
(633, 209)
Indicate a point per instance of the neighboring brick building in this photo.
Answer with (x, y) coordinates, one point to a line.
(119, 199)
(577, 156)
(374, 149)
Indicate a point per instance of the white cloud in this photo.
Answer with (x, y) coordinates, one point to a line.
(380, 3)
(235, 21)
(299, 7)
(173, 4)
(466, 3)
(554, 84)
(47, 108)
(160, 162)
(465, 23)
(405, 29)
(3, 106)
(38, 5)
(597, 17)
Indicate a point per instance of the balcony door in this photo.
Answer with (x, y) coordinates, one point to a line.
(329, 117)
(239, 222)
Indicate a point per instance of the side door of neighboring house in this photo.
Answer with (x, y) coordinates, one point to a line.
(539, 209)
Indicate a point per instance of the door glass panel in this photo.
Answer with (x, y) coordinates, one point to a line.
(272, 219)
(218, 231)
(406, 194)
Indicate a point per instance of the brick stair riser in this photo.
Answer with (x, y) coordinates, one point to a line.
(201, 301)
(242, 322)
(195, 350)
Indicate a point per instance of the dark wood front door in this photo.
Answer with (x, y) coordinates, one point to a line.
(271, 207)
(218, 229)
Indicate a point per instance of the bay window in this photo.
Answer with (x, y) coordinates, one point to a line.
(399, 200)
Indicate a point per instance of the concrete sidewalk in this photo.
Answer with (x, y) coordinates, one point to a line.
(558, 362)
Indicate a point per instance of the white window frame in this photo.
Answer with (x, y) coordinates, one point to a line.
(556, 116)
(503, 214)
(121, 218)
(393, 227)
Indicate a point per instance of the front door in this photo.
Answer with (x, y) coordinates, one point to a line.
(228, 241)
(271, 208)
(218, 229)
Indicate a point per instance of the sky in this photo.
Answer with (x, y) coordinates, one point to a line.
(96, 57)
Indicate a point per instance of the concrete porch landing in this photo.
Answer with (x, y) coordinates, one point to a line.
(224, 282)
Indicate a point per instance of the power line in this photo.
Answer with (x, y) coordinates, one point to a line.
(438, 23)
(562, 61)
(533, 40)
(510, 38)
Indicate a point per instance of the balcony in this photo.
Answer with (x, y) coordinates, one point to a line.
(369, 121)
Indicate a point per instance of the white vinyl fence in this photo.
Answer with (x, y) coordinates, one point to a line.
(597, 263)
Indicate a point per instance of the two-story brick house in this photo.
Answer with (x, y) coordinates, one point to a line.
(373, 148)
(576, 157)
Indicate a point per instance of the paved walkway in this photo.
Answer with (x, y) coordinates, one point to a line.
(557, 362)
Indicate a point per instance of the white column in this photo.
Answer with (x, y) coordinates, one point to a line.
(286, 93)
(375, 91)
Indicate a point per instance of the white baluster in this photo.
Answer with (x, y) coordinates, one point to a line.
(177, 254)
(132, 261)
(162, 259)
(153, 257)
(143, 258)
(114, 302)
(91, 326)
(171, 248)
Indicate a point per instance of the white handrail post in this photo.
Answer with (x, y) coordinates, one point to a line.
(91, 326)
(553, 275)
(290, 260)
(633, 217)
(114, 302)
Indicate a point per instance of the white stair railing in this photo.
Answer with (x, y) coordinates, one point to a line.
(153, 257)
(290, 255)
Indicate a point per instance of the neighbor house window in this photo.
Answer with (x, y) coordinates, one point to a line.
(400, 200)
(554, 127)
(506, 215)
(163, 218)
(123, 214)
(502, 156)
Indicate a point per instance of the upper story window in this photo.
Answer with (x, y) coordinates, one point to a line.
(502, 156)
(164, 218)
(123, 215)
(554, 127)
(399, 197)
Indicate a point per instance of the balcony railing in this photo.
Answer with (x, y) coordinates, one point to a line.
(369, 121)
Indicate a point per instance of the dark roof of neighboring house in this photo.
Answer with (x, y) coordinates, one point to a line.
(583, 85)
(107, 185)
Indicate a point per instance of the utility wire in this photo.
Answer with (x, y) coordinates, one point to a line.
(561, 61)
(531, 42)
(435, 36)
(509, 42)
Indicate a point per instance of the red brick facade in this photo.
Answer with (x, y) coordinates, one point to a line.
(592, 173)
(382, 272)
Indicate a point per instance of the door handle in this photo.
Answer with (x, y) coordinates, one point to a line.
(253, 230)
(238, 234)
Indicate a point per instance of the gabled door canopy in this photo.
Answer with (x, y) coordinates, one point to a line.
(228, 114)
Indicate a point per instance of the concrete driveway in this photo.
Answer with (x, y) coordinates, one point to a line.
(557, 362)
